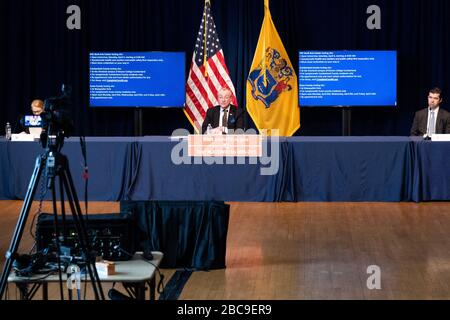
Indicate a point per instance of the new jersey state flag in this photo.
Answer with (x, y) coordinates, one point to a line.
(272, 92)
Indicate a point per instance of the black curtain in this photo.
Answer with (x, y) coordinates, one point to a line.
(39, 53)
(191, 234)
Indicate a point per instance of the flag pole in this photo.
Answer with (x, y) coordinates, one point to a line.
(266, 10)
(205, 50)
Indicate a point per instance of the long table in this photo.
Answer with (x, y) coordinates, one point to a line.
(309, 169)
(136, 272)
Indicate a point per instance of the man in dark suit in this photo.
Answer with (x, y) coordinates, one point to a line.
(432, 119)
(225, 116)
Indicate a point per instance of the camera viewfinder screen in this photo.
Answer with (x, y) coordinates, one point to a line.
(32, 121)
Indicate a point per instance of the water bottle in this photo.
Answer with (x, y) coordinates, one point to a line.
(209, 129)
(8, 131)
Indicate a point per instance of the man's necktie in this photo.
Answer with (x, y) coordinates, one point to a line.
(431, 128)
(225, 119)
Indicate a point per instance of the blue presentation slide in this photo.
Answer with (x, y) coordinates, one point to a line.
(137, 79)
(347, 78)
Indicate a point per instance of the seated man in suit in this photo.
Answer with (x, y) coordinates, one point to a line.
(432, 119)
(224, 116)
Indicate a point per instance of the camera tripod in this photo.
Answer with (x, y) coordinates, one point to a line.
(55, 165)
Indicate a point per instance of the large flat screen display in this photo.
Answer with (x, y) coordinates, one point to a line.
(137, 79)
(347, 78)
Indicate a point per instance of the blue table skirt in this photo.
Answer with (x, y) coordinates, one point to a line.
(431, 171)
(309, 169)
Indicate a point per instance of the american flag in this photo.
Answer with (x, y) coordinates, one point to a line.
(208, 72)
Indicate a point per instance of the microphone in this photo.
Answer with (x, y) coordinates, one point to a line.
(147, 254)
(117, 247)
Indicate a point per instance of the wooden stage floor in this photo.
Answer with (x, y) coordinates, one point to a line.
(311, 251)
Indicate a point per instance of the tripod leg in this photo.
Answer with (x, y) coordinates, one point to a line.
(58, 246)
(81, 228)
(63, 211)
(84, 243)
(17, 236)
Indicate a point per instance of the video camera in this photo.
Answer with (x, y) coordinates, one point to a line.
(56, 118)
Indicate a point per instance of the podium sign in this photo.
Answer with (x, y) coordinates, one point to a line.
(240, 145)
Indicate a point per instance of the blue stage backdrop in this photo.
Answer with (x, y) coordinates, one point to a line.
(39, 52)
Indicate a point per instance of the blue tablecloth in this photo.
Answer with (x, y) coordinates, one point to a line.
(431, 171)
(108, 160)
(352, 169)
(309, 169)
